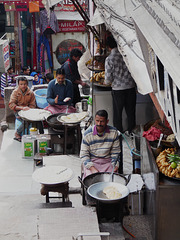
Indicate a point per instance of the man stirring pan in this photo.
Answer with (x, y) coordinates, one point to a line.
(100, 146)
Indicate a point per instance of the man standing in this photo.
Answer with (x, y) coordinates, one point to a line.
(123, 87)
(60, 94)
(100, 146)
(71, 71)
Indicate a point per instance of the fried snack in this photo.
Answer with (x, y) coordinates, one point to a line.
(98, 77)
(164, 166)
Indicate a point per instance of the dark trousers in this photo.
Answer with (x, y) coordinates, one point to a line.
(76, 94)
(124, 99)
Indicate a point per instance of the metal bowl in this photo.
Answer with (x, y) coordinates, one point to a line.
(96, 191)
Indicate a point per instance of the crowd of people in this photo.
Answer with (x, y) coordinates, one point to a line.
(100, 144)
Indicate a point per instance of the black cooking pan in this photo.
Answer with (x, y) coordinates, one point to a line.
(100, 177)
(53, 122)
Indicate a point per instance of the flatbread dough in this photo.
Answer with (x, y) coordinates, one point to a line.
(34, 114)
(74, 117)
(111, 192)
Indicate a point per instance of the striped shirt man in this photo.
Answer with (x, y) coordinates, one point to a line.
(102, 146)
(5, 82)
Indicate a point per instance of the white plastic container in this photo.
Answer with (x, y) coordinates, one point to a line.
(33, 131)
(43, 142)
(29, 143)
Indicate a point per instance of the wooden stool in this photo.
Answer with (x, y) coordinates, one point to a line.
(62, 188)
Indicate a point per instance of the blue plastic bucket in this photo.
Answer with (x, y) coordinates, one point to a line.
(40, 95)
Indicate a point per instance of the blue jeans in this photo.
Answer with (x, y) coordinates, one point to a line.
(21, 127)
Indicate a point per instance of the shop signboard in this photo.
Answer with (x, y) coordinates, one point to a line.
(71, 26)
(67, 5)
(4, 55)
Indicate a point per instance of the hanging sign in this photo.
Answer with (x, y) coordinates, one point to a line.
(10, 6)
(4, 55)
(71, 26)
(34, 6)
(64, 48)
(21, 7)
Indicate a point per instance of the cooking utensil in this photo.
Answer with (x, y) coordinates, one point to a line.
(67, 108)
(96, 191)
(111, 176)
(100, 177)
(53, 122)
(160, 139)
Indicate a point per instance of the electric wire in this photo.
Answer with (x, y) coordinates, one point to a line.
(131, 149)
(128, 231)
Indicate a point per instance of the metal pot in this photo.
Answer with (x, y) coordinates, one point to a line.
(100, 177)
(53, 122)
(96, 191)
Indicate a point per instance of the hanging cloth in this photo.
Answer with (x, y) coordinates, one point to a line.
(46, 63)
(10, 6)
(48, 24)
(34, 44)
(21, 7)
(20, 38)
(34, 6)
(44, 40)
(16, 39)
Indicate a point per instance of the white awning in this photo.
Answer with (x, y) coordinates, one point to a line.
(117, 17)
(96, 19)
(53, 2)
(164, 48)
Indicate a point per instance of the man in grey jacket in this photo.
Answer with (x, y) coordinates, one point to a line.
(123, 87)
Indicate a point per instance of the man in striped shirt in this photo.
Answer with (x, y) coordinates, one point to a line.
(100, 146)
(7, 80)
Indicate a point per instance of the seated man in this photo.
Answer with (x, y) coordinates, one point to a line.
(22, 98)
(60, 94)
(25, 71)
(100, 146)
(36, 80)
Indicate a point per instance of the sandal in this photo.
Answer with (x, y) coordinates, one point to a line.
(17, 139)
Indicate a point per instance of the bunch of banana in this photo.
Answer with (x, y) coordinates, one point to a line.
(98, 77)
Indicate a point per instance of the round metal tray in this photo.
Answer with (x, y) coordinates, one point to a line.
(51, 175)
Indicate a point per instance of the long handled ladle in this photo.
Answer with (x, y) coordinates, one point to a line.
(111, 175)
(160, 139)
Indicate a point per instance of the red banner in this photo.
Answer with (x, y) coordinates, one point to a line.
(71, 26)
(67, 5)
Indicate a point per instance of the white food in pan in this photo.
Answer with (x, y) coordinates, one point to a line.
(34, 114)
(74, 117)
(111, 192)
